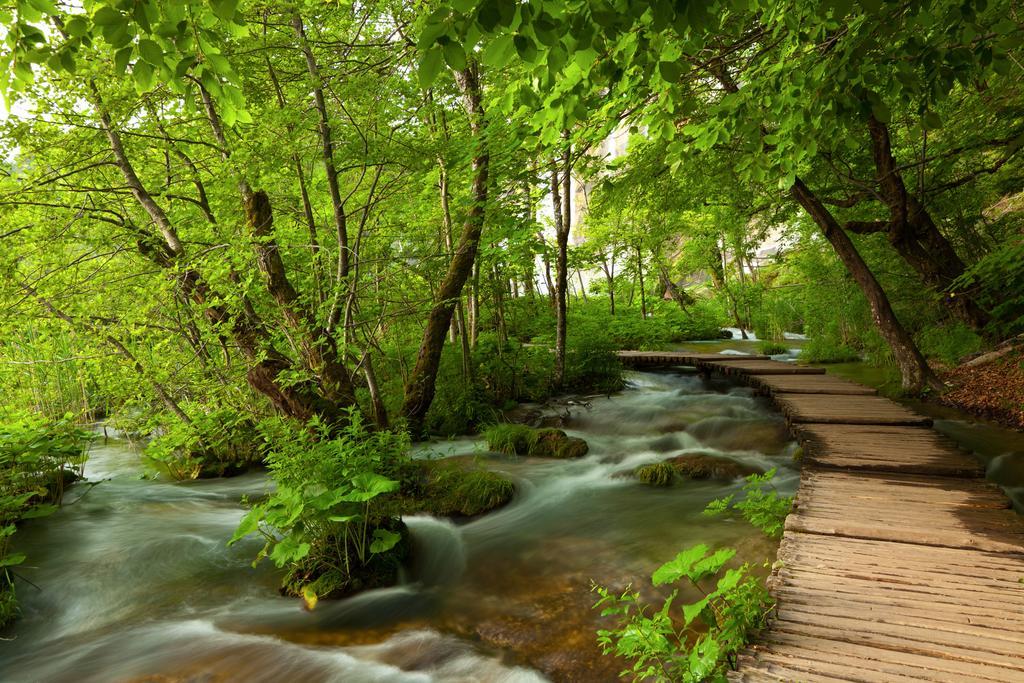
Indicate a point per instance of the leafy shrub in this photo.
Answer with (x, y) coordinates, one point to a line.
(997, 281)
(826, 350)
(326, 523)
(656, 474)
(761, 505)
(948, 343)
(38, 457)
(217, 443)
(716, 626)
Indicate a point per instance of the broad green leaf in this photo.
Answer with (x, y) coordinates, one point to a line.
(150, 51)
(12, 560)
(454, 55)
(108, 16)
(249, 524)
(430, 66)
(384, 540)
(680, 566)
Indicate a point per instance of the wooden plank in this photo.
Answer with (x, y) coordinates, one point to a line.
(862, 410)
(898, 562)
(852, 609)
(747, 366)
(809, 384)
(908, 450)
(657, 358)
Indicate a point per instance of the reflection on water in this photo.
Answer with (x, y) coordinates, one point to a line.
(136, 582)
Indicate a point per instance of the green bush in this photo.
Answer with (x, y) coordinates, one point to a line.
(38, 458)
(826, 350)
(217, 443)
(326, 523)
(715, 627)
(949, 343)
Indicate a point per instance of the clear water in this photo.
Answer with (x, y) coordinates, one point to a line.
(133, 580)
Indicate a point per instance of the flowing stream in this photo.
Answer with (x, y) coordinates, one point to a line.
(132, 579)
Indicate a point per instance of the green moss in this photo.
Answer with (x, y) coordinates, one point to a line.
(511, 439)
(450, 488)
(656, 474)
(467, 493)
(515, 439)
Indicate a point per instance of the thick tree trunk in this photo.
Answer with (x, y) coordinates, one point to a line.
(316, 345)
(914, 235)
(419, 391)
(915, 373)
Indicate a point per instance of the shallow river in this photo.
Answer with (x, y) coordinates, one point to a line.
(133, 580)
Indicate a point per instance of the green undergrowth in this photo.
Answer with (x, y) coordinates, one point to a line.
(697, 641)
(333, 521)
(216, 443)
(39, 457)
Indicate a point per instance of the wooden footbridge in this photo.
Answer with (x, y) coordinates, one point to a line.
(899, 561)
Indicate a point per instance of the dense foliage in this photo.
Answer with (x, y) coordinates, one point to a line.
(304, 234)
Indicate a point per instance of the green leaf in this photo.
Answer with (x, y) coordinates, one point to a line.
(679, 567)
(44, 510)
(692, 611)
(108, 16)
(225, 9)
(670, 71)
(384, 540)
(249, 524)
(150, 51)
(144, 76)
(11, 560)
(499, 51)
(880, 110)
(76, 27)
(121, 59)
(525, 47)
(430, 66)
(454, 55)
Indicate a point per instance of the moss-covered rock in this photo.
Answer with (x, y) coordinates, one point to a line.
(656, 474)
(537, 443)
(701, 466)
(453, 489)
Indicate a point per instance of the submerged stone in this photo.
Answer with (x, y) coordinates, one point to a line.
(701, 466)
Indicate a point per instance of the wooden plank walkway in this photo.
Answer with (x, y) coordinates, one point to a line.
(898, 562)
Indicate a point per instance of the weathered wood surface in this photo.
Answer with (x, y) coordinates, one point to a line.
(898, 562)
(856, 410)
(655, 358)
(808, 384)
(884, 448)
(746, 367)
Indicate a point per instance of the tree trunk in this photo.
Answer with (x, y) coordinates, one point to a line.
(914, 235)
(914, 370)
(419, 391)
(640, 272)
(380, 411)
(327, 154)
(561, 276)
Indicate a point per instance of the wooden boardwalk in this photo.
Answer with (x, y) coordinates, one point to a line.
(899, 561)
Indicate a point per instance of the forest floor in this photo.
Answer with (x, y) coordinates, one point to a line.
(994, 390)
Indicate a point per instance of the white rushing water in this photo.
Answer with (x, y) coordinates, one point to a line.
(133, 578)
